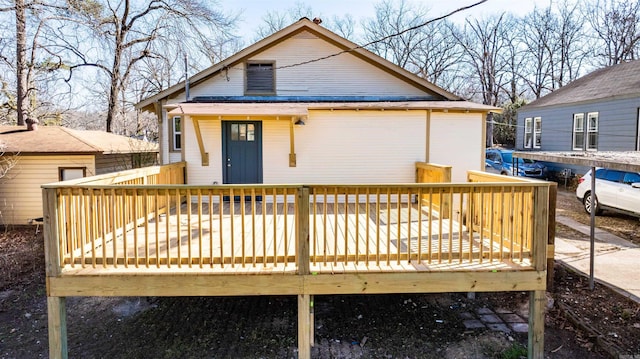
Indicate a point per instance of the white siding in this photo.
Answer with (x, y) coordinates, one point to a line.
(346, 147)
(342, 75)
(456, 140)
(211, 131)
(168, 156)
(20, 192)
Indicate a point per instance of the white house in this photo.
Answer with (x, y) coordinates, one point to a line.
(305, 105)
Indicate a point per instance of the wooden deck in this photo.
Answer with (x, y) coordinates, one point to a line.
(143, 233)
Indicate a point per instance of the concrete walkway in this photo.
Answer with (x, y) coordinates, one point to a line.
(617, 261)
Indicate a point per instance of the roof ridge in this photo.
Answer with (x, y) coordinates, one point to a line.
(71, 131)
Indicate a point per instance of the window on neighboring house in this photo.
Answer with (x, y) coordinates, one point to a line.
(176, 134)
(537, 132)
(592, 131)
(69, 173)
(260, 78)
(528, 132)
(578, 131)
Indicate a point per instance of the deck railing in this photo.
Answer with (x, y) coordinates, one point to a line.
(295, 227)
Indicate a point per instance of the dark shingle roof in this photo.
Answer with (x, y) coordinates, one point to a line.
(55, 139)
(622, 80)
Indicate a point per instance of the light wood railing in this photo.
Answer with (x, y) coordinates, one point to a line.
(435, 173)
(294, 227)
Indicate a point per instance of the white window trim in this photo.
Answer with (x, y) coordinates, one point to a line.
(589, 131)
(573, 139)
(528, 130)
(175, 133)
(537, 132)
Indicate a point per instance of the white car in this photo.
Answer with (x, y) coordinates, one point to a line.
(615, 190)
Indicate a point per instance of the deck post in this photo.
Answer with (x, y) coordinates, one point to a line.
(304, 326)
(551, 240)
(537, 298)
(56, 309)
(304, 300)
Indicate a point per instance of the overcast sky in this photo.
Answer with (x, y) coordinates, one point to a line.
(252, 11)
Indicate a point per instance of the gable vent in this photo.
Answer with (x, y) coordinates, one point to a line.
(260, 78)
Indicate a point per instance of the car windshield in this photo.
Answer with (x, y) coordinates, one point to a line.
(507, 157)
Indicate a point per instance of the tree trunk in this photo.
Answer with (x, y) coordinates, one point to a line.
(22, 105)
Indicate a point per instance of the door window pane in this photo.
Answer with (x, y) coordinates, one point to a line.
(234, 132)
(251, 132)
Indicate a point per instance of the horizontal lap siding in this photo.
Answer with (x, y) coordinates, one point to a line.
(342, 75)
(346, 147)
(617, 122)
(211, 131)
(20, 192)
(456, 139)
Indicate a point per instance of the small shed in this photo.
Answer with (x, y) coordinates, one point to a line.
(53, 153)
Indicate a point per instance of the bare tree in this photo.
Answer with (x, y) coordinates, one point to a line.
(7, 161)
(616, 26)
(275, 21)
(389, 20)
(128, 32)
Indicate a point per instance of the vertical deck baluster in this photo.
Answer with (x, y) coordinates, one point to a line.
(123, 226)
(232, 205)
(200, 239)
(156, 210)
(285, 211)
(102, 207)
(242, 227)
(440, 228)
(357, 234)
(367, 226)
(461, 219)
(274, 206)
(470, 220)
(134, 200)
(450, 207)
(491, 223)
(409, 229)
(189, 234)
(481, 230)
(388, 249)
(93, 224)
(221, 227)
(210, 209)
(430, 229)
(419, 225)
(324, 226)
(502, 222)
(378, 209)
(178, 226)
(113, 215)
(167, 237)
(336, 209)
(346, 226)
(263, 192)
(399, 204)
(253, 226)
(146, 227)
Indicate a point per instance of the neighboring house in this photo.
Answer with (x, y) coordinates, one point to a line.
(305, 105)
(597, 112)
(52, 154)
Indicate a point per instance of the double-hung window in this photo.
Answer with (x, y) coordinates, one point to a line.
(592, 131)
(176, 134)
(578, 131)
(537, 132)
(528, 132)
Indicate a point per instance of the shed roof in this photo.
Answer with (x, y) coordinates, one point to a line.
(617, 81)
(302, 109)
(56, 139)
(303, 24)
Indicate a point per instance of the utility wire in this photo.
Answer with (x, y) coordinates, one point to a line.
(386, 37)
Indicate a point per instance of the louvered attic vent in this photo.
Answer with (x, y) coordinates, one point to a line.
(260, 78)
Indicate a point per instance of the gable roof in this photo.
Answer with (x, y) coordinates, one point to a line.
(617, 81)
(303, 24)
(56, 139)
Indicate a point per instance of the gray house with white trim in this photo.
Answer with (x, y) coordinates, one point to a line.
(597, 112)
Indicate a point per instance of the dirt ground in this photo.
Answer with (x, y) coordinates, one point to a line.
(579, 324)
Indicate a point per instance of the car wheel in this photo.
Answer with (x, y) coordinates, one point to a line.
(587, 202)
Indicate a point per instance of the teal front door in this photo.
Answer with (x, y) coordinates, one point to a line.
(242, 151)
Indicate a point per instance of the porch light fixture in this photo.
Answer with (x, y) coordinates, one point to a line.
(299, 122)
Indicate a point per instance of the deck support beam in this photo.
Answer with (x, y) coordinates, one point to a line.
(304, 326)
(57, 320)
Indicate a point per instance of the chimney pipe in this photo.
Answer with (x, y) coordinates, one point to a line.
(186, 77)
(32, 124)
